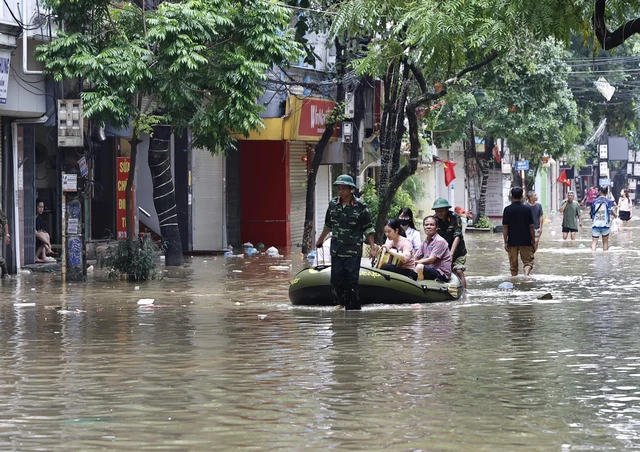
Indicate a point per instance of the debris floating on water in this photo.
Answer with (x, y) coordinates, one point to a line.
(505, 285)
(546, 296)
(146, 301)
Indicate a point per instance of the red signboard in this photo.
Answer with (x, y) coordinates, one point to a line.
(313, 116)
(123, 165)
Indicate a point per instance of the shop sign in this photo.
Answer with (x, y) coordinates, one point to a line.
(123, 166)
(313, 115)
(5, 66)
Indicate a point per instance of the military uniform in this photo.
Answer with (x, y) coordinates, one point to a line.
(349, 225)
(449, 230)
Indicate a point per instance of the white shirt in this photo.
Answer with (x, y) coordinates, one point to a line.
(414, 236)
(624, 204)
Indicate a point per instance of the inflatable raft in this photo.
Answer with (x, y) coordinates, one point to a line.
(312, 287)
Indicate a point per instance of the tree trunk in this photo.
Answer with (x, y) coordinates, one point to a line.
(308, 242)
(164, 198)
(134, 141)
(482, 202)
(402, 174)
(310, 212)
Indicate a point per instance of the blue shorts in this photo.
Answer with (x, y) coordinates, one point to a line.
(599, 232)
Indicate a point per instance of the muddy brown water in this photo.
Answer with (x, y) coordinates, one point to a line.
(222, 361)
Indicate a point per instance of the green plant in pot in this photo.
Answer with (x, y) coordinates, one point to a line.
(483, 222)
(134, 259)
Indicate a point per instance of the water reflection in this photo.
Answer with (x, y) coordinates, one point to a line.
(222, 361)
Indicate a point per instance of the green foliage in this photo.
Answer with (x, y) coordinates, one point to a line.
(370, 196)
(135, 259)
(483, 222)
(203, 62)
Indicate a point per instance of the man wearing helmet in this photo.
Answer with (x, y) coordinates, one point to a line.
(349, 220)
(450, 228)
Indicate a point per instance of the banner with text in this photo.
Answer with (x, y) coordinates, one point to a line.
(123, 166)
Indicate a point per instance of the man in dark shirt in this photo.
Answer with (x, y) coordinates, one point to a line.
(450, 228)
(519, 233)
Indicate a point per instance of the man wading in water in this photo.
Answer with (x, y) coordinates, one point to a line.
(348, 219)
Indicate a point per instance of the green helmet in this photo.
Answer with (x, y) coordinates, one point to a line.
(441, 203)
(345, 179)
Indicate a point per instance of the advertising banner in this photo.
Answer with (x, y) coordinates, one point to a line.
(123, 165)
(5, 66)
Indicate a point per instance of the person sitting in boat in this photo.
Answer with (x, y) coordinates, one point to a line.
(405, 216)
(400, 247)
(433, 259)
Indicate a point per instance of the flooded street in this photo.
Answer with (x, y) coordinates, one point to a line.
(222, 361)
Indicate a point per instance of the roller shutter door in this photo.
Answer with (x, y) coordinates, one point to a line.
(297, 190)
(209, 213)
(323, 195)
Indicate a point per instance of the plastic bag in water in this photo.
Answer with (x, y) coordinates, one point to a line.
(505, 285)
(273, 252)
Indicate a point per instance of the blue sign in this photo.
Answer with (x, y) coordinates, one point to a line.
(522, 165)
(604, 182)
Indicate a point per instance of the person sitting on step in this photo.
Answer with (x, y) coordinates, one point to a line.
(44, 252)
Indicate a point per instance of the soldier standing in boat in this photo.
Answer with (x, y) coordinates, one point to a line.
(450, 229)
(349, 221)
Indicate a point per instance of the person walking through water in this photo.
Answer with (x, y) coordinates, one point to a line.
(349, 220)
(624, 207)
(601, 213)
(538, 214)
(518, 233)
(571, 220)
(450, 229)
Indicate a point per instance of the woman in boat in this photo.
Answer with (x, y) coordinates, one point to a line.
(398, 246)
(405, 216)
(433, 259)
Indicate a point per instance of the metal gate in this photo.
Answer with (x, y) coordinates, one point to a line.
(297, 190)
(208, 214)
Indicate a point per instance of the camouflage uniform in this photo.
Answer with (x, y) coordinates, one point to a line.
(449, 230)
(349, 225)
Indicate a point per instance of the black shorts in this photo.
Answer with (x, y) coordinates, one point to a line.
(625, 215)
(568, 230)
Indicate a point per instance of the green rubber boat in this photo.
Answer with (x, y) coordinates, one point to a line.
(312, 287)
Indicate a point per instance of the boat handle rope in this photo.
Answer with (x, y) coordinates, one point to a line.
(324, 265)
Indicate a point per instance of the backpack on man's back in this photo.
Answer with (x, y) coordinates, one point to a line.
(600, 213)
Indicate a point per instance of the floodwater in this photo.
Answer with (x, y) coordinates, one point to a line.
(221, 361)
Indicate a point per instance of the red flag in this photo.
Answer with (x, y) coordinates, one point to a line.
(449, 171)
(496, 154)
(563, 178)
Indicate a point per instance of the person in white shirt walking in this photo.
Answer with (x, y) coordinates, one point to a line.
(625, 207)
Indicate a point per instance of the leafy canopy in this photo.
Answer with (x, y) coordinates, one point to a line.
(201, 61)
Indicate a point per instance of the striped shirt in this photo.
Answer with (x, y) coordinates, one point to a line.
(439, 248)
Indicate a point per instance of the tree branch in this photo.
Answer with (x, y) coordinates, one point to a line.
(611, 40)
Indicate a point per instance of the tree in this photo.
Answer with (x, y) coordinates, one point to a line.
(200, 61)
